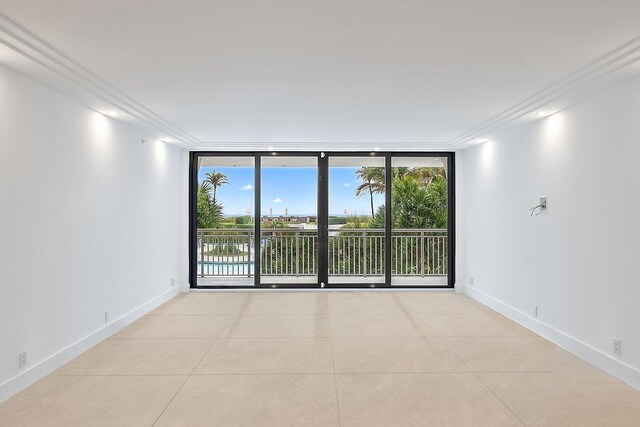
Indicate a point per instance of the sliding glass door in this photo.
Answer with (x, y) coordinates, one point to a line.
(225, 217)
(289, 220)
(420, 217)
(282, 219)
(356, 241)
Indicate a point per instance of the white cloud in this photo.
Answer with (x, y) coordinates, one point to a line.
(277, 200)
(247, 187)
(347, 184)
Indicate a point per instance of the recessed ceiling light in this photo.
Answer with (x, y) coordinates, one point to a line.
(542, 113)
(168, 140)
(481, 140)
(113, 113)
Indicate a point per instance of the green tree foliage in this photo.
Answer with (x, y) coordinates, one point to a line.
(372, 182)
(243, 220)
(214, 180)
(225, 250)
(419, 196)
(287, 251)
(418, 201)
(416, 205)
(210, 213)
(378, 218)
(437, 202)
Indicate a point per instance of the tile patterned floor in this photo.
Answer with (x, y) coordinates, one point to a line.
(325, 359)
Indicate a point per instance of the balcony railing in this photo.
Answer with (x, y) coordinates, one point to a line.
(293, 252)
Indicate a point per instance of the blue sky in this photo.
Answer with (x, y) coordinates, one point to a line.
(292, 188)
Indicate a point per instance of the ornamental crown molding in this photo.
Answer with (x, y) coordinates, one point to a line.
(601, 74)
(41, 53)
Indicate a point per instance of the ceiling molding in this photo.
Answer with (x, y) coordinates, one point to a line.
(324, 146)
(565, 91)
(92, 91)
(31, 47)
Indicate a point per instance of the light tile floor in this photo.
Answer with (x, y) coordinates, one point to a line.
(325, 358)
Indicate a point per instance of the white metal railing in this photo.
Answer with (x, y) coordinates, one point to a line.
(293, 252)
(225, 252)
(288, 252)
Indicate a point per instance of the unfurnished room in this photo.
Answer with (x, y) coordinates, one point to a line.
(320, 213)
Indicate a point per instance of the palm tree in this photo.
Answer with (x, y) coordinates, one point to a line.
(215, 180)
(210, 214)
(373, 183)
(427, 174)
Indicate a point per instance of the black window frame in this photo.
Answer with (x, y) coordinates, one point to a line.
(323, 199)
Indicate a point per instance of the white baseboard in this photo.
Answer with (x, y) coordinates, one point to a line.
(607, 363)
(53, 362)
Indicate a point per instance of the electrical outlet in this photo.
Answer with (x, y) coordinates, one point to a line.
(470, 281)
(23, 358)
(106, 317)
(617, 347)
(173, 282)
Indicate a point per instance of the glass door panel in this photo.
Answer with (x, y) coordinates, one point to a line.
(289, 220)
(356, 220)
(419, 221)
(225, 221)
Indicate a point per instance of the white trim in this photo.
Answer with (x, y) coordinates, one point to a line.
(607, 363)
(25, 379)
(319, 290)
(35, 49)
(566, 91)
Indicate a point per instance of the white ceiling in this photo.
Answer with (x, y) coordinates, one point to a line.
(339, 73)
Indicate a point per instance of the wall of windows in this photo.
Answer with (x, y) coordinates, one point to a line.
(313, 219)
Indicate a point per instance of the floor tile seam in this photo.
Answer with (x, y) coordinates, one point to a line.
(527, 337)
(231, 318)
(191, 315)
(188, 315)
(118, 375)
(426, 340)
(263, 374)
(249, 374)
(171, 400)
(234, 318)
(203, 356)
(385, 336)
(499, 399)
(492, 313)
(335, 381)
(280, 314)
(455, 353)
(160, 338)
(288, 314)
(275, 338)
(336, 372)
(483, 383)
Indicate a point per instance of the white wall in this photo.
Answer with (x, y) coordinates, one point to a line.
(580, 262)
(91, 220)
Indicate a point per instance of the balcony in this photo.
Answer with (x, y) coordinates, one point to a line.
(290, 255)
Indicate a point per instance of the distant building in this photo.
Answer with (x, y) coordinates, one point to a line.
(291, 219)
